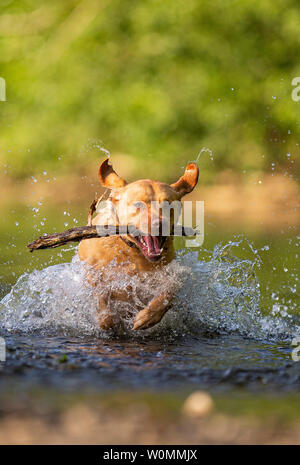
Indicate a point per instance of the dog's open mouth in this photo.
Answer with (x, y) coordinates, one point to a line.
(150, 246)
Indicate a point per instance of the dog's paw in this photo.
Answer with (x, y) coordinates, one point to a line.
(147, 318)
(106, 322)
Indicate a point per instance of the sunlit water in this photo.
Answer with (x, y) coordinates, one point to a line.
(214, 335)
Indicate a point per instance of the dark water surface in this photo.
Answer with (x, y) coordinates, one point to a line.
(219, 362)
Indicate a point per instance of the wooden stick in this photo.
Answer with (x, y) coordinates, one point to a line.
(91, 232)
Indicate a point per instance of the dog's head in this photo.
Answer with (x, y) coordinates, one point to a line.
(152, 207)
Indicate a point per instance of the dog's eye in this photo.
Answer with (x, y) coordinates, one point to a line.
(139, 204)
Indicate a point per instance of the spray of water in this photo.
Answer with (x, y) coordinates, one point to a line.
(219, 295)
(95, 144)
(204, 150)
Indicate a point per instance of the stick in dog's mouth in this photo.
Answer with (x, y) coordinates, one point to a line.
(144, 242)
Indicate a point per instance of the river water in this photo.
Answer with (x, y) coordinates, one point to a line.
(232, 325)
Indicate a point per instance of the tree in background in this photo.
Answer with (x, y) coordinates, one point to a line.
(156, 79)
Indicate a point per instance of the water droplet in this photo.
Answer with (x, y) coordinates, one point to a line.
(205, 149)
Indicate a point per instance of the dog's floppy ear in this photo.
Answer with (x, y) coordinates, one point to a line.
(108, 177)
(188, 181)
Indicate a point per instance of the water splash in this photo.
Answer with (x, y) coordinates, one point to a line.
(95, 144)
(203, 150)
(219, 295)
(232, 300)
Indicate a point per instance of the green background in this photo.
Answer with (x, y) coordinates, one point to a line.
(156, 79)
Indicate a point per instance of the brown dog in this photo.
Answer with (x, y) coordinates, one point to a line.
(136, 204)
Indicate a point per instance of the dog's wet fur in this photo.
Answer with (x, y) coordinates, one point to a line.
(132, 204)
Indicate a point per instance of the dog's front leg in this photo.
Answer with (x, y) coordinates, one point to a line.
(153, 313)
(106, 320)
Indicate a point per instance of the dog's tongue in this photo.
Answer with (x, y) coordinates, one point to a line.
(152, 244)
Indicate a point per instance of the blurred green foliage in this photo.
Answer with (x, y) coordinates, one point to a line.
(157, 79)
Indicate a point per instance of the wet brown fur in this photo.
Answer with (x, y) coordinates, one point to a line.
(99, 252)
